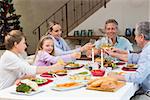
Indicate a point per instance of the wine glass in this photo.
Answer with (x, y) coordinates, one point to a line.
(92, 41)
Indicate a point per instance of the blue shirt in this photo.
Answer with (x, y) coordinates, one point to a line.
(121, 43)
(142, 74)
(61, 47)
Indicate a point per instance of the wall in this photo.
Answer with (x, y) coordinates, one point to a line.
(33, 13)
(126, 12)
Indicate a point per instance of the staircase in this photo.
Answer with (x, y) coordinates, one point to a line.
(71, 15)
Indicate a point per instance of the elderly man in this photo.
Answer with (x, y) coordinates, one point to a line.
(142, 74)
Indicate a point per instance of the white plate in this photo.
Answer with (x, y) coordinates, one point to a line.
(28, 94)
(66, 89)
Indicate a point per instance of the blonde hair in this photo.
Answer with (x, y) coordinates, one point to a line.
(40, 44)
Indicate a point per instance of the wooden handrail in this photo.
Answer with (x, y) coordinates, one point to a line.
(80, 13)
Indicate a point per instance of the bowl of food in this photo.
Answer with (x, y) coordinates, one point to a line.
(98, 72)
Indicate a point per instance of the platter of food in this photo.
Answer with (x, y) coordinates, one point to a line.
(105, 84)
(59, 72)
(41, 81)
(106, 46)
(67, 86)
(26, 87)
(130, 67)
(52, 74)
(73, 65)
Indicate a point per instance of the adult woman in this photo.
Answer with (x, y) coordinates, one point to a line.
(13, 66)
(60, 45)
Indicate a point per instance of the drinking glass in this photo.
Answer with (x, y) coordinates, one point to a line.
(92, 41)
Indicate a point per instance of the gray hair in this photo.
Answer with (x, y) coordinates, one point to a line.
(143, 28)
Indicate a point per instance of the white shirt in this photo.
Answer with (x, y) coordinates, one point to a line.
(13, 67)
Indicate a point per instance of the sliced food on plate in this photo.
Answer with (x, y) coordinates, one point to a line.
(105, 84)
(68, 86)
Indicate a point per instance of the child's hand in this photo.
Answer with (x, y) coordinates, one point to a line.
(76, 55)
(61, 62)
(57, 66)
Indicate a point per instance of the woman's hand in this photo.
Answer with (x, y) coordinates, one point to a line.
(89, 52)
(86, 47)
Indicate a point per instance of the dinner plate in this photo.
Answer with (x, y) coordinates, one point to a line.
(67, 88)
(28, 94)
(120, 63)
(74, 67)
(128, 69)
(47, 75)
(47, 82)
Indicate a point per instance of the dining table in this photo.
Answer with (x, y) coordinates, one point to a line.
(47, 93)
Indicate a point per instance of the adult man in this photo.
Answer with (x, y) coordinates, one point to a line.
(142, 74)
(111, 30)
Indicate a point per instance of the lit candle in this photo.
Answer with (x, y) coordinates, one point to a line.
(92, 55)
(102, 59)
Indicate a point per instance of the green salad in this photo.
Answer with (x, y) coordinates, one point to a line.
(40, 81)
(23, 88)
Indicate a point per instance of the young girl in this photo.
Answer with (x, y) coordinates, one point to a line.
(13, 66)
(45, 52)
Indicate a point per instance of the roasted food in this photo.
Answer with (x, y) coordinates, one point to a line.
(58, 72)
(98, 59)
(79, 77)
(109, 63)
(106, 46)
(131, 66)
(104, 84)
(73, 65)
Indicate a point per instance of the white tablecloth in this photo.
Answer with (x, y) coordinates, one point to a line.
(123, 93)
